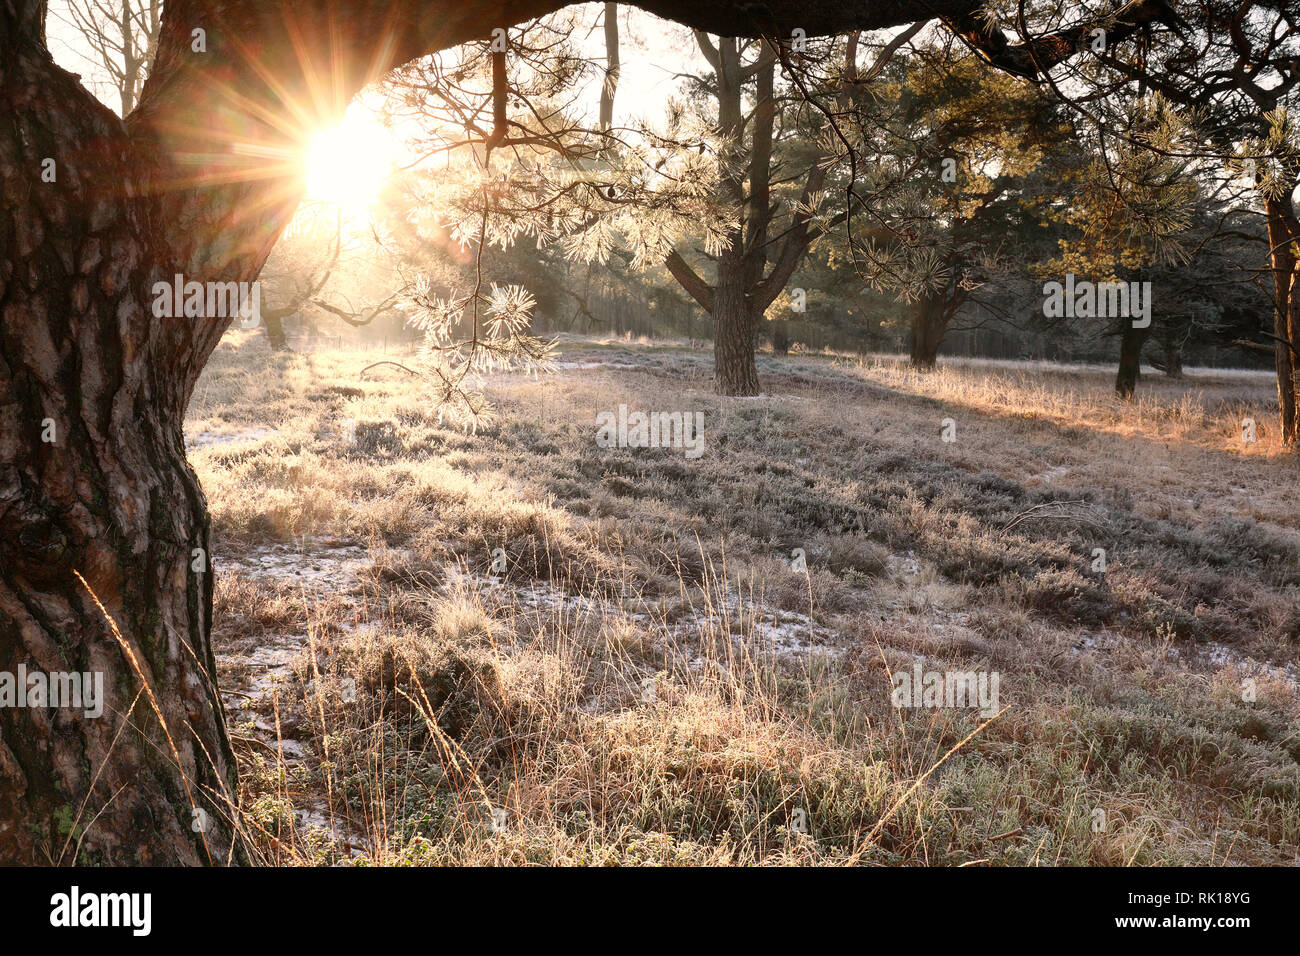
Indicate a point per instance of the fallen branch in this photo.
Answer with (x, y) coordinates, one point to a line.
(1258, 346)
(1079, 511)
(387, 362)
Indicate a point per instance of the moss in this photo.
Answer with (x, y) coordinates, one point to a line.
(64, 818)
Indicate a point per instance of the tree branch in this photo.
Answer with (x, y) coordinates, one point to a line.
(690, 280)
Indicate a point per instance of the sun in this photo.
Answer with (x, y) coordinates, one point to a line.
(348, 164)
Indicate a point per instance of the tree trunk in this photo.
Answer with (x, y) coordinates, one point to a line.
(1173, 361)
(93, 481)
(610, 85)
(929, 322)
(781, 337)
(734, 328)
(743, 290)
(1281, 241)
(1130, 360)
(275, 332)
(1293, 338)
(128, 515)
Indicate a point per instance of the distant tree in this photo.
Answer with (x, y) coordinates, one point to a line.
(517, 160)
(1130, 212)
(979, 157)
(775, 166)
(1216, 298)
(1230, 71)
(121, 36)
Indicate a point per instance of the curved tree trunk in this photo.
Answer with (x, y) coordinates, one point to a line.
(94, 482)
(131, 519)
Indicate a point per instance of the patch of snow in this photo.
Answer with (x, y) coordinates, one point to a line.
(783, 633)
(1051, 474)
(1222, 655)
(271, 662)
(315, 565)
(1086, 642)
(211, 439)
(587, 365)
(788, 634)
(292, 750)
(1211, 652)
(350, 840)
(905, 563)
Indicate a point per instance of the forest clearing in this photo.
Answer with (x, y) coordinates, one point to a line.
(644, 676)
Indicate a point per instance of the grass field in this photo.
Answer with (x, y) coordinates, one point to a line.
(521, 647)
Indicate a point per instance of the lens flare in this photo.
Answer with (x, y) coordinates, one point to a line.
(348, 164)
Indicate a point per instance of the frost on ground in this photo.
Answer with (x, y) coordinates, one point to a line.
(216, 439)
(313, 564)
(264, 674)
(747, 621)
(667, 706)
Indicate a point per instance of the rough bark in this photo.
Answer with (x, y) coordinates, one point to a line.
(734, 327)
(929, 322)
(1281, 241)
(1130, 360)
(83, 362)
